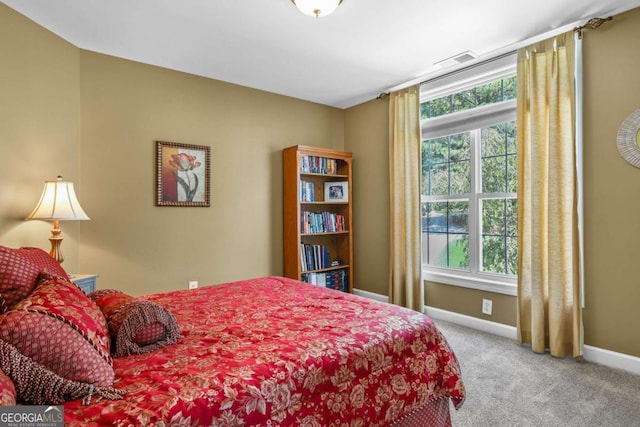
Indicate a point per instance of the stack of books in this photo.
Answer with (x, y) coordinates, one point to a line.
(322, 222)
(314, 257)
(314, 164)
(337, 279)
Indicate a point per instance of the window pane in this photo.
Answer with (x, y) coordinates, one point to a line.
(511, 131)
(440, 106)
(436, 217)
(459, 251)
(493, 174)
(436, 234)
(464, 100)
(499, 236)
(510, 87)
(458, 217)
(425, 108)
(512, 173)
(493, 254)
(445, 229)
(512, 217)
(493, 217)
(512, 255)
(460, 177)
(489, 93)
(493, 141)
(437, 249)
(438, 150)
(460, 147)
(438, 180)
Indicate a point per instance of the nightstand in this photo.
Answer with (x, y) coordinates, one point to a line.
(87, 282)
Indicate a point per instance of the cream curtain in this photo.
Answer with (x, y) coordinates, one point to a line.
(549, 312)
(405, 285)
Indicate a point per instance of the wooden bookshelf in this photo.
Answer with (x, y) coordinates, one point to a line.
(318, 225)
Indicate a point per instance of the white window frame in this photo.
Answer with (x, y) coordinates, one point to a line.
(463, 121)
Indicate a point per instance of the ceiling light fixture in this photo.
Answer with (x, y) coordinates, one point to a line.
(316, 8)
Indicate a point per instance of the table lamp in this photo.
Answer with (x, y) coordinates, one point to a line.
(58, 203)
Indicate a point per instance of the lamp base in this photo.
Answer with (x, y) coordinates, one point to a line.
(56, 241)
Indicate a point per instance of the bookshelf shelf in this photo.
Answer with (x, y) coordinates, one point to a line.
(311, 178)
(323, 234)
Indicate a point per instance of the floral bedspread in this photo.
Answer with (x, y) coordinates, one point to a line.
(278, 352)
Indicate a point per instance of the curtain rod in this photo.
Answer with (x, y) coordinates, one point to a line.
(592, 24)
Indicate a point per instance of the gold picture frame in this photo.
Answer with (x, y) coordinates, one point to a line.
(182, 174)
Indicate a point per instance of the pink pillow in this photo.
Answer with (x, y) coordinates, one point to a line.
(18, 276)
(44, 261)
(136, 325)
(58, 327)
(7, 390)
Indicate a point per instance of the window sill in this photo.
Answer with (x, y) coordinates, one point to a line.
(488, 284)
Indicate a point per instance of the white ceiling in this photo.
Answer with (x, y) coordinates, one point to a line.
(364, 48)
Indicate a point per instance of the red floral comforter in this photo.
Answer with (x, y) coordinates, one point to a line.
(278, 352)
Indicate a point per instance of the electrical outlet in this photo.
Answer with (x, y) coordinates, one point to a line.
(487, 306)
(193, 284)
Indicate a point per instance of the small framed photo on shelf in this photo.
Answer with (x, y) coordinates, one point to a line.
(336, 191)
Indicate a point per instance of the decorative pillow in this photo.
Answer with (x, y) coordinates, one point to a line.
(44, 261)
(18, 276)
(58, 327)
(7, 390)
(39, 386)
(136, 325)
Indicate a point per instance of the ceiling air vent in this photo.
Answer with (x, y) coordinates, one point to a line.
(457, 59)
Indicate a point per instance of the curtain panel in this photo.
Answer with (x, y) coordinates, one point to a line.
(405, 284)
(549, 312)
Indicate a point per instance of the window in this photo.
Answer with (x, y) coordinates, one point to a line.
(469, 177)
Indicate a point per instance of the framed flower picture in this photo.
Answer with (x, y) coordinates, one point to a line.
(182, 174)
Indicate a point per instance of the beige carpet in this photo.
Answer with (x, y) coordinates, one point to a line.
(509, 385)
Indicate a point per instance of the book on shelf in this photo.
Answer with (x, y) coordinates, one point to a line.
(315, 164)
(314, 257)
(338, 279)
(322, 222)
(307, 191)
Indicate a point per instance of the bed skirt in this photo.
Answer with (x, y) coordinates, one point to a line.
(433, 414)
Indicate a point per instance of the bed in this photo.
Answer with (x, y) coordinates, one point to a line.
(274, 351)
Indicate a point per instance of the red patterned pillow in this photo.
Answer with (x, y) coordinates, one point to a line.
(58, 327)
(44, 261)
(136, 326)
(18, 276)
(35, 384)
(7, 390)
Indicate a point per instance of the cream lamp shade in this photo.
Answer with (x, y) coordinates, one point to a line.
(58, 203)
(317, 8)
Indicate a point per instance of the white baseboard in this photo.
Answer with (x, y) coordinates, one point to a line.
(597, 355)
(494, 328)
(612, 359)
(370, 295)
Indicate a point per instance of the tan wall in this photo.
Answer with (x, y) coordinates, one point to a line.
(612, 186)
(141, 248)
(39, 129)
(366, 135)
(612, 229)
